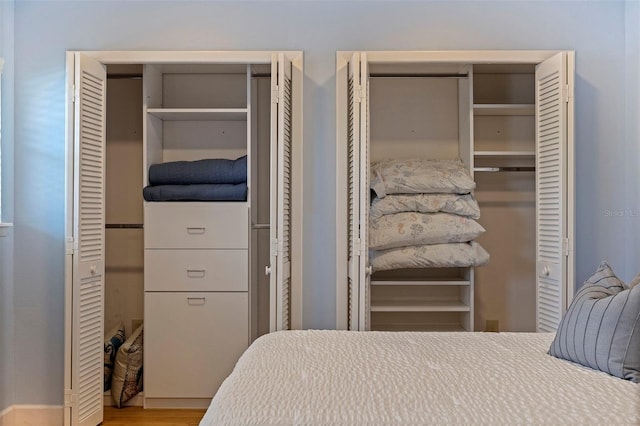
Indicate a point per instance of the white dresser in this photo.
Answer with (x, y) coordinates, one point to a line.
(196, 298)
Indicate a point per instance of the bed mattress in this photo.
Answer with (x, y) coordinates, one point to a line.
(408, 378)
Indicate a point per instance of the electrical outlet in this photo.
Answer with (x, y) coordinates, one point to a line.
(493, 326)
(135, 324)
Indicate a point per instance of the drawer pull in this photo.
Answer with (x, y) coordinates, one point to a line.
(195, 301)
(195, 273)
(195, 231)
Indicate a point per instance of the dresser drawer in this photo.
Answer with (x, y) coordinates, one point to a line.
(196, 225)
(192, 341)
(196, 270)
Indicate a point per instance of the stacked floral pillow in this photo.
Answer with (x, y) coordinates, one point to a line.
(423, 215)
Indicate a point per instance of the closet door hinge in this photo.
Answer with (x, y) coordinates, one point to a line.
(76, 94)
(565, 93)
(70, 246)
(70, 398)
(565, 246)
(359, 93)
(357, 249)
(274, 247)
(275, 94)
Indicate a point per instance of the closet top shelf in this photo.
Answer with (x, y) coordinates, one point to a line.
(504, 109)
(199, 114)
(504, 153)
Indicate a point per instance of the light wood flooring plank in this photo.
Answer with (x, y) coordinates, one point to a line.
(130, 416)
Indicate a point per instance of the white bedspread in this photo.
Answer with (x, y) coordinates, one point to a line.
(396, 378)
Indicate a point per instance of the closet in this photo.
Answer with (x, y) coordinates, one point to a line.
(207, 267)
(507, 117)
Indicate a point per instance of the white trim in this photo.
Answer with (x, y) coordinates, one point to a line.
(136, 401)
(27, 415)
(4, 231)
(341, 244)
(184, 56)
(7, 416)
(461, 56)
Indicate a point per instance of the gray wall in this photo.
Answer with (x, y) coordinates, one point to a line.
(6, 241)
(45, 30)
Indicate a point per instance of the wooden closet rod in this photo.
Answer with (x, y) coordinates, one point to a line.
(124, 225)
(504, 169)
(123, 76)
(389, 75)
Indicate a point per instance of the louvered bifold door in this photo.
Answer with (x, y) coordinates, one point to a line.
(283, 214)
(88, 255)
(551, 191)
(353, 191)
(365, 268)
(273, 199)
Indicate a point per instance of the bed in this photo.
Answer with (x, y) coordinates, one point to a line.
(347, 378)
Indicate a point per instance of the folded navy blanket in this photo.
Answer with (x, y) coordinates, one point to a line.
(205, 192)
(213, 170)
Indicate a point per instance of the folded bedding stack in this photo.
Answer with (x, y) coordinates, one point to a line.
(423, 215)
(215, 179)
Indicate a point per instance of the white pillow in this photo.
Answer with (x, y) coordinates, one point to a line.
(420, 175)
(407, 229)
(463, 205)
(429, 256)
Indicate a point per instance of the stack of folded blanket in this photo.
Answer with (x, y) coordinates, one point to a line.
(215, 179)
(423, 215)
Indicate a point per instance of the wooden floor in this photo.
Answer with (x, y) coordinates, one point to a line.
(138, 416)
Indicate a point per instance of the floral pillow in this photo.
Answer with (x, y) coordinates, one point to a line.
(416, 176)
(405, 229)
(460, 204)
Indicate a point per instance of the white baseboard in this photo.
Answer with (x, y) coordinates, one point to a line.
(136, 401)
(32, 415)
(7, 417)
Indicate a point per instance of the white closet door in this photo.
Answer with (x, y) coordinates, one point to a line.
(273, 201)
(281, 144)
(365, 269)
(86, 278)
(552, 220)
(353, 192)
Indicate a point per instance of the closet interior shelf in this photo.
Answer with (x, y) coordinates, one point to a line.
(199, 114)
(124, 226)
(504, 169)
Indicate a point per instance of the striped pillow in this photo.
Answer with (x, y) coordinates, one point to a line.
(601, 328)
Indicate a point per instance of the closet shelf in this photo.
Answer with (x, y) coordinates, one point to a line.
(417, 305)
(418, 327)
(523, 154)
(504, 109)
(423, 283)
(199, 114)
(505, 169)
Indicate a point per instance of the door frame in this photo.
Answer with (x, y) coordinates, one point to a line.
(449, 57)
(107, 57)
